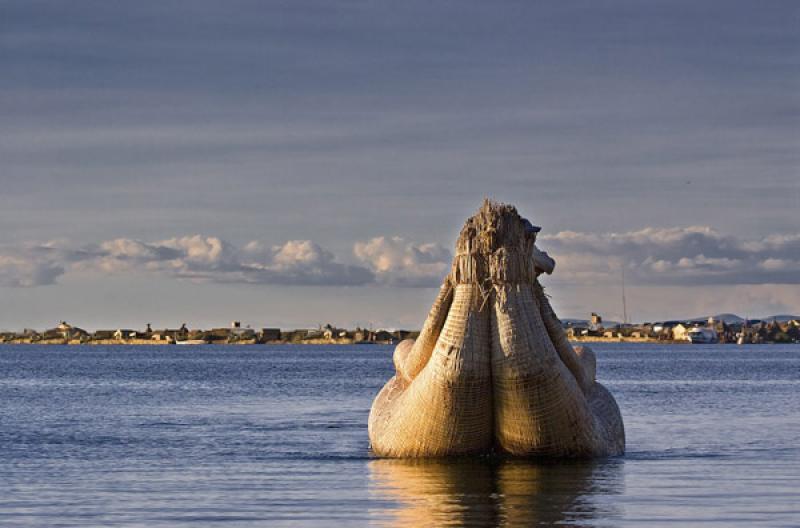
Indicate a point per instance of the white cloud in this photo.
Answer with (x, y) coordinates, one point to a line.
(27, 271)
(303, 262)
(779, 264)
(206, 252)
(297, 262)
(399, 262)
(690, 255)
(675, 256)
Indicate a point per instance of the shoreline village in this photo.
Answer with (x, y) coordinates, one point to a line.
(700, 331)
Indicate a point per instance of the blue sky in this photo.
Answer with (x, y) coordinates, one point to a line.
(294, 163)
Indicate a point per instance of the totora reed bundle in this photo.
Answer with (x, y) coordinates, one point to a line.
(492, 369)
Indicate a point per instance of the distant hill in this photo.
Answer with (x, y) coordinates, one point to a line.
(568, 320)
(585, 322)
(730, 318)
(781, 318)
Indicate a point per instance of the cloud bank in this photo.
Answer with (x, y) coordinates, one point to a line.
(398, 262)
(654, 256)
(381, 260)
(201, 258)
(19, 271)
(686, 256)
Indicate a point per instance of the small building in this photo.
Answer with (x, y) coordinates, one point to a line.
(173, 334)
(663, 330)
(269, 334)
(102, 335)
(28, 334)
(215, 334)
(237, 333)
(402, 335)
(383, 336)
(595, 325)
(198, 334)
(123, 334)
(313, 334)
(72, 332)
(293, 336)
(65, 331)
(159, 336)
(680, 332)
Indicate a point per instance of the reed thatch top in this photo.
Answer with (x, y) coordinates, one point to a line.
(496, 246)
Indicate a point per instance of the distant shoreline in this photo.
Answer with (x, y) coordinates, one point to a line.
(600, 339)
(150, 342)
(593, 331)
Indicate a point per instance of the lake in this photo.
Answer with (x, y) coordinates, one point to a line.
(277, 436)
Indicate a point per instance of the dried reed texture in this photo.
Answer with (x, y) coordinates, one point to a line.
(540, 409)
(492, 368)
(409, 359)
(446, 409)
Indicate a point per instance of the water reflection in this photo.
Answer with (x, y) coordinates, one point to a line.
(490, 492)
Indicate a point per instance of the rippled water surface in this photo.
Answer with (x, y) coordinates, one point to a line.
(277, 436)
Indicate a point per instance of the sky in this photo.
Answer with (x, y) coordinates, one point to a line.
(297, 163)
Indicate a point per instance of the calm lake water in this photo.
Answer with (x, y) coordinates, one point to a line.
(277, 436)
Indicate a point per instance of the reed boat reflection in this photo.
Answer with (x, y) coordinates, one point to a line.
(495, 492)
